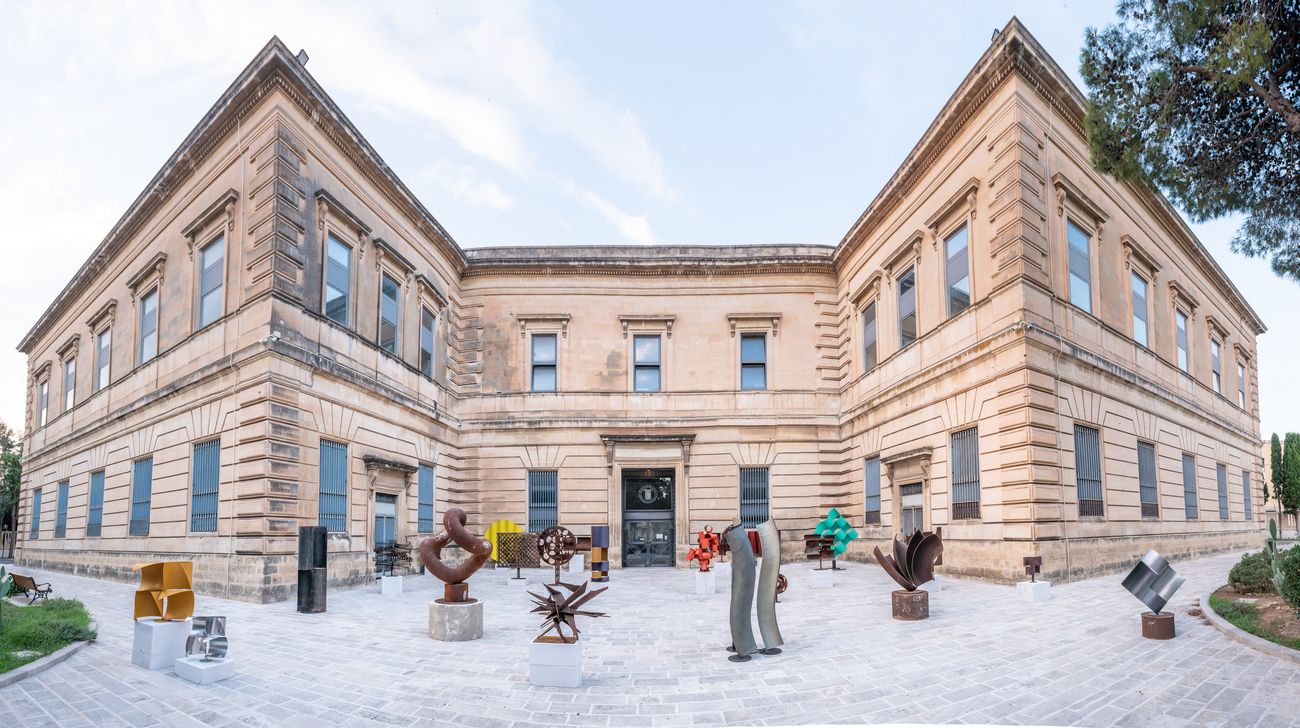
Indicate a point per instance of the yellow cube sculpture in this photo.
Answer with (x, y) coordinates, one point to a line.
(166, 590)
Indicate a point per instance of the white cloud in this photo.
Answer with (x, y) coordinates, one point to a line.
(461, 180)
(635, 228)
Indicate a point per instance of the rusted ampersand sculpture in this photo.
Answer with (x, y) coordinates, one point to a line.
(455, 590)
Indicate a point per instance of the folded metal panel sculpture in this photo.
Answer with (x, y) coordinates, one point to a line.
(768, 585)
(1153, 581)
(742, 592)
(912, 562)
(166, 590)
(705, 550)
(207, 638)
(453, 524)
(559, 611)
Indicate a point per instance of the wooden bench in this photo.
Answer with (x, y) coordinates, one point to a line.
(30, 588)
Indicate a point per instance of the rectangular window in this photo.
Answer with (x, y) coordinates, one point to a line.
(1148, 491)
(753, 361)
(1216, 377)
(873, 491)
(69, 384)
(338, 280)
(1241, 385)
(958, 271)
(543, 500)
(1180, 326)
(95, 510)
(427, 321)
(149, 326)
(1222, 472)
(103, 349)
(61, 511)
(646, 376)
(1080, 266)
(1245, 493)
(907, 308)
(206, 486)
(544, 363)
(388, 314)
(141, 496)
(43, 403)
(212, 281)
(425, 515)
(1190, 498)
(1087, 470)
(1140, 310)
(965, 470)
(869, 337)
(333, 506)
(753, 496)
(36, 514)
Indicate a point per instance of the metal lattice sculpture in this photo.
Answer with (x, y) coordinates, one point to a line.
(706, 549)
(518, 551)
(1153, 581)
(559, 610)
(166, 590)
(557, 545)
(913, 560)
(207, 638)
(455, 591)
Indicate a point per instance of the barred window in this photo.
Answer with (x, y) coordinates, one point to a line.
(543, 500)
(753, 496)
(1190, 496)
(1148, 490)
(426, 512)
(965, 469)
(1087, 470)
(333, 504)
(95, 510)
(61, 511)
(1222, 472)
(205, 486)
(141, 496)
(873, 491)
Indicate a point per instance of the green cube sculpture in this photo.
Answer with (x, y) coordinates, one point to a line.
(836, 527)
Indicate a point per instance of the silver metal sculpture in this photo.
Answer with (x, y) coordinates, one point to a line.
(770, 540)
(207, 638)
(742, 592)
(1153, 581)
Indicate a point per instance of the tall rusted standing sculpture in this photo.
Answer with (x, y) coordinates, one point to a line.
(705, 550)
(557, 545)
(1153, 581)
(455, 590)
(743, 591)
(911, 565)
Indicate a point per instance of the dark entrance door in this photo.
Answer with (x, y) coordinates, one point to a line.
(648, 538)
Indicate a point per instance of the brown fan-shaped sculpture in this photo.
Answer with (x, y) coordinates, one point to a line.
(453, 530)
(559, 610)
(913, 560)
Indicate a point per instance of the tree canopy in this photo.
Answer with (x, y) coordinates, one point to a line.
(1201, 99)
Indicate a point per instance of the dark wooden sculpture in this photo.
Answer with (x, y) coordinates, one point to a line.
(455, 590)
(911, 565)
(559, 610)
(1033, 567)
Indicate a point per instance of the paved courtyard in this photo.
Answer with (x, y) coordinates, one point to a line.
(984, 656)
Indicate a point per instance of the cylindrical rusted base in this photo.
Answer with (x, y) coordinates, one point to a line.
(1158, 626)
(911, 605)
(455, 592)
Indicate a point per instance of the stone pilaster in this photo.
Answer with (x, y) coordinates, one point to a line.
(277, 221)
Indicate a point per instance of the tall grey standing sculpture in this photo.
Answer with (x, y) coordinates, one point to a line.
(743, 590)
(1153, 581)
(313, 551)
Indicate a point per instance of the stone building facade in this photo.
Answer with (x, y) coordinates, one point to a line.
(1006, 344)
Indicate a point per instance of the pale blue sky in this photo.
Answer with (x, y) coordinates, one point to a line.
(578, 123)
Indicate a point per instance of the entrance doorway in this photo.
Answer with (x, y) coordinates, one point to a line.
(911, 500)
(648, 530)
(385, 520)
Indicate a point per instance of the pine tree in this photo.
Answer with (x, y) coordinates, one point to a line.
(1275, 464)
(1290, 494)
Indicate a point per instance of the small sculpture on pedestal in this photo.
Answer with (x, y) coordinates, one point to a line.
(911, 565)
(163, 605)
(556, 661)
(706, 549)
(1034, 590)
(455, 617)
(1153, 581)
(205, 652)
(1033, 567)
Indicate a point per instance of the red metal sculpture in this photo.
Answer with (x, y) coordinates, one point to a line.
(454, 577)
(705, 551)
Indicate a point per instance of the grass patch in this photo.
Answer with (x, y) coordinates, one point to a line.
(1247, 617)
(41, 629)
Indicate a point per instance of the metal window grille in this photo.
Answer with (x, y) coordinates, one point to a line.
(36, 513)
(966, 473)
(61, 512)
(141, 496)
(205, 486)
(1190, 497)
(1222, 472)
(1087, 470)
(753, 496)
(1148, 491)
(873, 491)
(425, 523)
(95, 511)
(333, 486)
(543, 500)
(1245, 493)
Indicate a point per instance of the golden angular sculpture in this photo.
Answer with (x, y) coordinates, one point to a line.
(166, 590)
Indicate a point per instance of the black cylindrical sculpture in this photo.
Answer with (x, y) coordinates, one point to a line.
(742, 592)
(770, 538)
(313, 548)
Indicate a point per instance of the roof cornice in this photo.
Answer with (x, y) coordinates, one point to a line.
(642, 260)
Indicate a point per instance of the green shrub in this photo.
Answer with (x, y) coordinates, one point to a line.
(1252, 575)
(1289, 563)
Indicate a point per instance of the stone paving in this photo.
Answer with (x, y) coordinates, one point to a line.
(984, 656)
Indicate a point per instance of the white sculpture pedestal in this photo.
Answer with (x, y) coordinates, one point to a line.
(706, 582)
(159, 644)
(555, 664)
(577, 564)
(390, 585)
(1035, 591)
(934, 585)
(199, 672)
(723, 570)
(456, 622)
(822, 578)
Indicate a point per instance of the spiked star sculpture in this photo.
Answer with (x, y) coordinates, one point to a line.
(560, 610)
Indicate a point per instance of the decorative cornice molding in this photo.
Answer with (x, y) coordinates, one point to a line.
(920, 454)
(69, 348)
(868, 290)
(560, 319)
(329, 205)
(42, 372)
(384, 250)
(964, 198)
(684, 440)
(423, 282)
(1068, 194)
(225, 204)
(1178, 292)
(156, 266)
(1213, 327)
(771, 320)
(907, 254)
(663, 320)
(1134, 253)
(106, 312)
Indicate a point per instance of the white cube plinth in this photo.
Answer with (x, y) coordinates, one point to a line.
(706, 582)
(1035, 591)
(554, 664)
(158, 645)
(456, 621)
(934, 585)
(822, 578)
(199, 672)
(577, 564)
(390, 585)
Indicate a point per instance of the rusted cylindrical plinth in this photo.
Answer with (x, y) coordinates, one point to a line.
(1158, 626)
(455, 592)
(911, 605)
